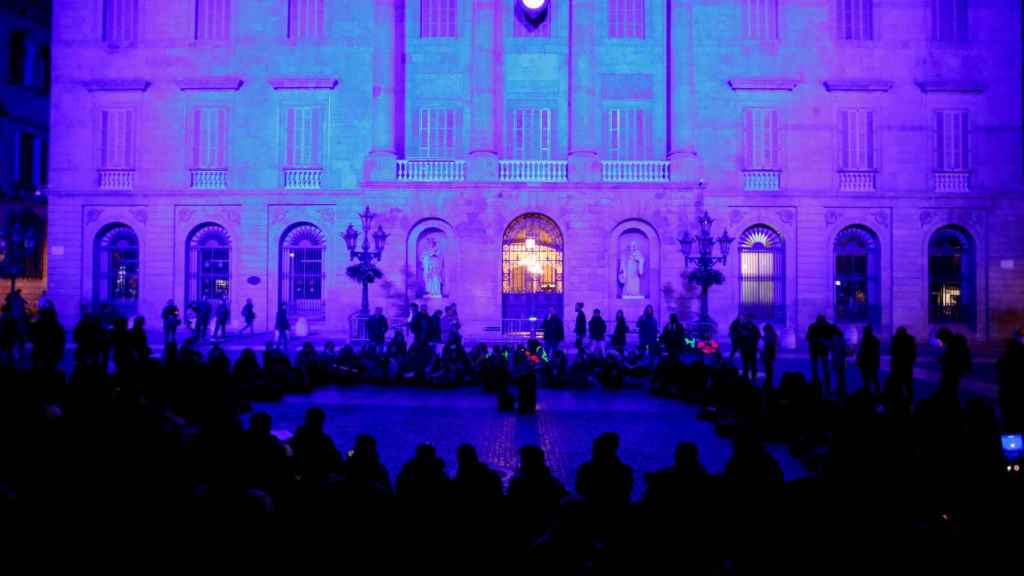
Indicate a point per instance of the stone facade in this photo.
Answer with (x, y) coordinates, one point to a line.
(694, 73)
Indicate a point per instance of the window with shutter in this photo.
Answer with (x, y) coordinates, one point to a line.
(951, 141)
(305, 19)
(629, 134)
(213, 18)
(116, 127)
(438, 18)
(440, 133)
(531, 133)
(949, 20)
(857, 140)
(304, 136)
(761, 138)
(209, 138)
(626, 19)
(120, 21)
(856, 19)
(761, 19)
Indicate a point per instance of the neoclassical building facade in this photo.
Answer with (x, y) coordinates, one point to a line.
(525, 155)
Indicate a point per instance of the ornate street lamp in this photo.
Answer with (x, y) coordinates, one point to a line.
(705, 275)
(364, 270)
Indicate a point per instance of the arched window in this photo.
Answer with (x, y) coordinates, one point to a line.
(208, 264)
(763, 274)
(301, 281)
(951, 276)
(531, 264)
(857, 293)
(116, 269)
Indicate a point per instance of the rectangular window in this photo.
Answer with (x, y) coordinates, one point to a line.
(440, 133)
(949, 20)
(120, 21)
(305, 19)
(856, 19)
(213, 19)
(761, 138)
(629, 134)
(304, 137)
(952, 153)
(522, 28)
(18, 59)
(26, 175)
(209, 138)
(761, 19)
(117, 139)
(857, 149)
(626, 19)
(530, 129)
(438, 18)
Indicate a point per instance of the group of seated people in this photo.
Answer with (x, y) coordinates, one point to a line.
(167, 438)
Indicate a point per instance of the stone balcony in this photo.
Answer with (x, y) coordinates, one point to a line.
(431, 170)
(762, 180)
(952, 181)
(207, 179)
(302, 178)
(533, 171)
(635, 170)
(116, 179)
(857, 180)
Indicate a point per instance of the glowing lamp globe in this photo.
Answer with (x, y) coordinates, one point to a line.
(534, 5)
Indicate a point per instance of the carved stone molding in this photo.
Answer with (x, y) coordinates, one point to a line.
(186, 214)
(786, 216)
(303, 83)
(832, 216)
(93, 214)
(764, 84)
(941, 216)
(117, 85)
(140, 215)
(951, 86)
(211, 83)
(881, 217)
(857, 85)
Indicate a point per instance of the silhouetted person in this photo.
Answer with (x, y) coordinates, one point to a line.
(751, 465)
(420, 326)
(554, 332)
(869, 358)
(203, 312)
(581, 326)
(819, 337)
(363, 473)
(139, 341)
(596, 329)
(839, 350)
(314, 453)
(423, 481)
(647, 330)
(533, 493)
(397, 347)
(748, 337)
(248, 316)
(685, 480)
(221, 318)
(377, 329)
(604, 481)
(673, 335)
(282, 326)
(903, 349)
(48, 341)
(171, 317)
(955, 362)
(735, 329)
(768, 355)
(265, 457)
(1010, 368)
(475, 484)
(619, 333)
(436, 331)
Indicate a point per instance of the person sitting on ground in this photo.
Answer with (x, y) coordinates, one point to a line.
(363, 473)
(534, 494)
(686, 479)
(314, 453)
(422, 481)
(604, 481)
(475, 484)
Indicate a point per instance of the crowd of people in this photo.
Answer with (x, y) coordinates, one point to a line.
(126, 433)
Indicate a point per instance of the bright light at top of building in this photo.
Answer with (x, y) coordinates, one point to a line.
(534, 4)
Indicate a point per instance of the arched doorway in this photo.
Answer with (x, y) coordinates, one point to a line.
(116, 269)
(951, 277)
(208, 264)
(857, 270)
(763, 274)
(531, 266)
(301, 268)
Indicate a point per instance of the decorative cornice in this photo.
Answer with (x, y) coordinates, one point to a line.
(857, 85)
(117, 85)
(951, 86)
(303, 83)
(211, 83)
(784, 84)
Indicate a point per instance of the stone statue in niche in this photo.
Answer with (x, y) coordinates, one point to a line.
(631, 268)
(432, 266)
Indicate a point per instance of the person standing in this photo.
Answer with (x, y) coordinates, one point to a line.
(170, 316)
(249, 316)
(839, 350)
(673, 335)
(818, 337)
(647, 327)
(869, 356)
(597, 328)
(554, 332)
(903, 349)
(377, 329)
(581, 326)
(282, 326)
(420, 327)
(768, 353)
(619, 333)
(203, 318)
(749, 337)
(735, 329)
(221, 317)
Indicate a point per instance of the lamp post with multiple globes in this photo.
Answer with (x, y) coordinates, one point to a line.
(705, 275)
(364, 270)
